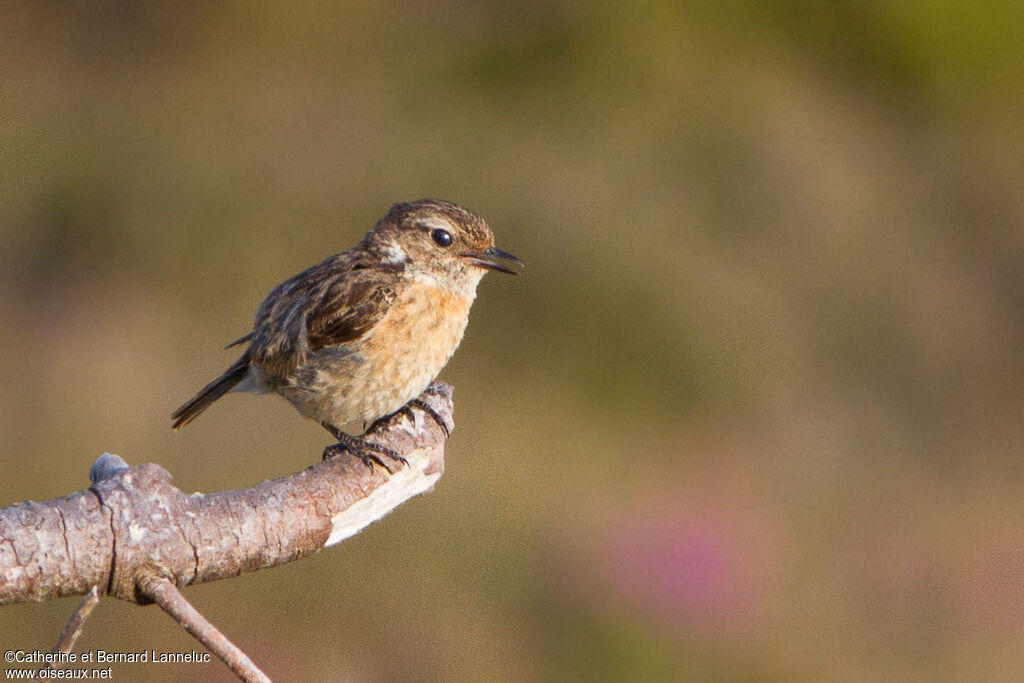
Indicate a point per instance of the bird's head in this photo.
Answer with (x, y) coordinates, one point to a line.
(439, 240)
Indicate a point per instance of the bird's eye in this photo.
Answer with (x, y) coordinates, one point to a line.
(441, 237)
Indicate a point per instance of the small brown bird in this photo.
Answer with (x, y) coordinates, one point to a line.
(360, 335)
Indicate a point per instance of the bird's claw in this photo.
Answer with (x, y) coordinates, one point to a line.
(429, 410)
(407, 411)
(366, 451)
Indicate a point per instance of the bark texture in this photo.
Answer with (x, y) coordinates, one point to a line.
(133, 525)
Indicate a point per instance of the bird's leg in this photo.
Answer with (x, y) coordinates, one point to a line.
(366, 451)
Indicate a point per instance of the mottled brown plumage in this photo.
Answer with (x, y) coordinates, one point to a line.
(357, 336)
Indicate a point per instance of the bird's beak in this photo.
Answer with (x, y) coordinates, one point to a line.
(491, 258)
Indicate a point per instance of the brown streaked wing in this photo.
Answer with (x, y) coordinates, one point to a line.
(333, 302)
(349, 312)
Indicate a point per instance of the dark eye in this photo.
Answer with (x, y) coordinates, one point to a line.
(441, 237)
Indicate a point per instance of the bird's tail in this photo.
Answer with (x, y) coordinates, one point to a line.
(210, 393)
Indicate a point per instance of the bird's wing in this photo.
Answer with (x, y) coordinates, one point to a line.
(332, 303)
(348, 311)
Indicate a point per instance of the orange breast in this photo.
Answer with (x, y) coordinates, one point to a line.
(389, 366)
(411, 345)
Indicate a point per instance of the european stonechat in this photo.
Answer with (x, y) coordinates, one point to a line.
(362, 334)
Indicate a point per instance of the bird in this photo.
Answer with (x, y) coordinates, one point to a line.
(360, 335)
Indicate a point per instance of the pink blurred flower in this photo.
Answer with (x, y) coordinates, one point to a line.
(703, 572)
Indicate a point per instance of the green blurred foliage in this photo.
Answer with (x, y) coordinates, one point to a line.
(753, 412)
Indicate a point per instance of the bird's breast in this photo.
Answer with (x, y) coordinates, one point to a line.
(393, 363)
(417, 335)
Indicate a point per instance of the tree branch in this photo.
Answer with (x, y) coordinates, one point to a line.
(73, 629)
(136, 536)
(166, 594)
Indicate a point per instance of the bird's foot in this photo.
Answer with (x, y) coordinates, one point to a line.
(367, 451)
(407, 411)
(429, 410)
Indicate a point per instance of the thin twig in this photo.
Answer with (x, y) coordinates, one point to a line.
(164, 593)
(73, 629)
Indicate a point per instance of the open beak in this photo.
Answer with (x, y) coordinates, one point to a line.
(491, 258)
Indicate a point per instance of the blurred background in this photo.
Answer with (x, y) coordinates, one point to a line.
(754, 411)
